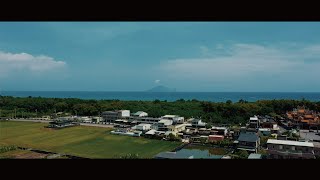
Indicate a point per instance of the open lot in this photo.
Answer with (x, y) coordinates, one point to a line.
(90, 142)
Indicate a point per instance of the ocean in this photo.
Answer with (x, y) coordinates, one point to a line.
(169, 96)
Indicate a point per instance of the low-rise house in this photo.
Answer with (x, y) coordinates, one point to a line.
(143, 119)
(142, 127)
(97, 119)
(197, 123)
(85, 119)
(286, 149)
(215, 138)
(248, 141)
(254, 122)
(177, 128)
(140, 114)
(162, 125)
(221, 130)
(204, 131)
(264, 132)
(175, 118)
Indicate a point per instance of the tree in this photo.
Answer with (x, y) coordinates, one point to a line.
(229, 102)
(242, 154)
(156, 101)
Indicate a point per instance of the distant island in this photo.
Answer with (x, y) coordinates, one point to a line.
(162, 89)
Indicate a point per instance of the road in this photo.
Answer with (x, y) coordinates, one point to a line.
(82, 124)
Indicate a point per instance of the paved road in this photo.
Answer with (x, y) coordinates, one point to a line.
(82, 124)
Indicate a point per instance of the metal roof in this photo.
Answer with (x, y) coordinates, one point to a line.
(139, 112)
(288, 142)
(248, 137)
(254, 156)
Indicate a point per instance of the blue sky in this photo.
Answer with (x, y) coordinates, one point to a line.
(136, 56)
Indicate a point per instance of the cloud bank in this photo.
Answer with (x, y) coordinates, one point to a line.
(11, 62)
(240, 61)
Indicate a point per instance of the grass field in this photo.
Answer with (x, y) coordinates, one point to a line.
(90, 142)
(22, 154)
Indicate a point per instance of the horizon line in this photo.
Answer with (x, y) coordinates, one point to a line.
(162, 92)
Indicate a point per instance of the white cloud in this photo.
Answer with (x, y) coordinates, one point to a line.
(157, 81)
(10, 63)
(241, 61)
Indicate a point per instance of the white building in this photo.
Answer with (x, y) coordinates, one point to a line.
(221, 130)
(197, 123)
(142, 127)
(254, 122)
(140, 114)
(285, 149)
(144, 120)
(85, 119)
(162, 125)
(175, 118)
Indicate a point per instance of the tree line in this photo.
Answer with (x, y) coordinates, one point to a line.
(212, 112)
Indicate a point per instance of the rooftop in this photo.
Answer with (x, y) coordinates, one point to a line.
(254, 118)
(169, 116)
(138, 113)
(288, 142)
(254, 156)
(248, 137)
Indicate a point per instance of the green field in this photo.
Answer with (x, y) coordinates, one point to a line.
(90, 142)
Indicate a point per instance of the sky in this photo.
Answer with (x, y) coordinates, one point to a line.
(137, 56)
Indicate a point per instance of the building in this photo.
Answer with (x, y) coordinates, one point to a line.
(162, 125)
(220, 130)
(85, 119)
(264, 132)
(254, 122)
(255, 156)
(285, 149)
(62, 124)
(145, 120)
(215, 138)
(111, 116)
(140, 114)
(303, 117)
(197, 123)
(316, 148)
(177, 128)
(248, 141)
(142, 127)
(97, 119)
(175, 118)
